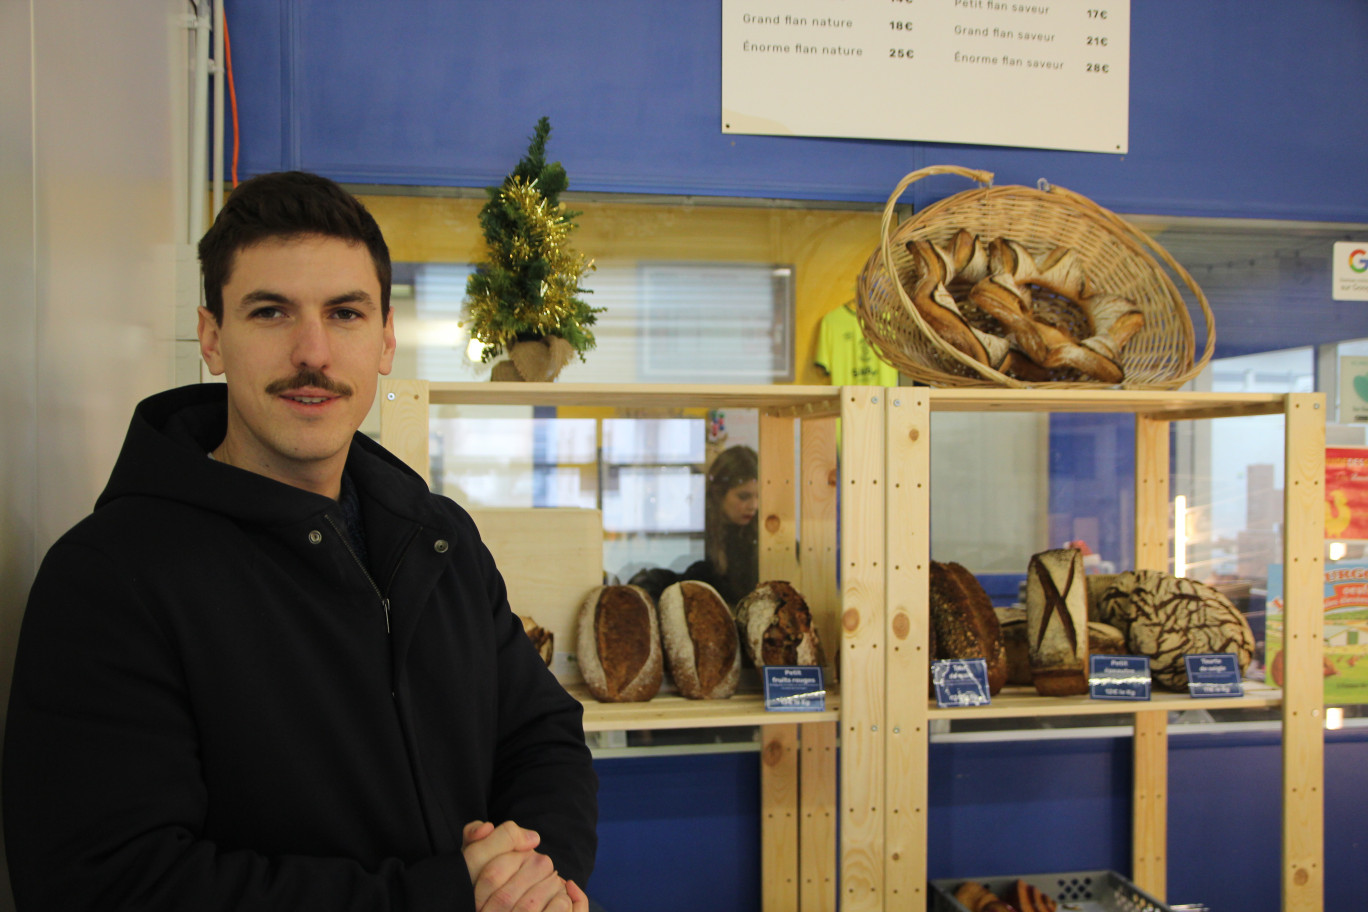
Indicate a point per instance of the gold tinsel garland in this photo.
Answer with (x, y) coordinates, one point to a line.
(546, 231)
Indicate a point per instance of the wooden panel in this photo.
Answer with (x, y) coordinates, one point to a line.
(779, 758)
(907, 500)
(817, 530)
(862, 653)
(404, 422)
(1149, 812)
(817, 483)
(779, 818)
(1303, 877)
(778, 500)
(1149, 807)
(1152, 509)
(817, 817)
(550, 559)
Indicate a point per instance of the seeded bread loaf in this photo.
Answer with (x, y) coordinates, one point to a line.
(963, 622)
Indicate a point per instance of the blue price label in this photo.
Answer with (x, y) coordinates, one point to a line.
(960, 682)
(794, 688)
(1213, 675)
(1118, 677)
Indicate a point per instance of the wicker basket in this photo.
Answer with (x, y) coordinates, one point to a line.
(1117, 258)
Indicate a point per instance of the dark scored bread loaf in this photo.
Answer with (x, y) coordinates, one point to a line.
(963, 622)
(776, 627)
(619, 645)
(702, 649)
(1012, 622)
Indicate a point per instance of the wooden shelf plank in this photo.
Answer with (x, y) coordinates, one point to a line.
(824, 400)
(673, 711)
(1017, 702)
(1158, 404)
(783, 399)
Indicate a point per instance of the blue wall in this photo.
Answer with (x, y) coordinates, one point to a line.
(680, 834)
(1242, 108)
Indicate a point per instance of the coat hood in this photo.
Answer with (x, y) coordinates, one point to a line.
(165, 455)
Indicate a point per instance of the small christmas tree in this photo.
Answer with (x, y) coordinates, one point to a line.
(528, 288)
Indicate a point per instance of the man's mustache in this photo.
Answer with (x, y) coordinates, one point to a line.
(308, 377)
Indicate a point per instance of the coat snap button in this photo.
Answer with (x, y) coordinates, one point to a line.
(440, 546)
(315, 537)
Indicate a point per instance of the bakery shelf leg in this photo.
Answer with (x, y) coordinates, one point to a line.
(779, 770)
(817, 569)
(1303, 758)
(1149, 806)
(862, 650)
(907, 506)
(779, 818)
(817, 817)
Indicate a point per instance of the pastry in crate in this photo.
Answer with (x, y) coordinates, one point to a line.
(1022, 897)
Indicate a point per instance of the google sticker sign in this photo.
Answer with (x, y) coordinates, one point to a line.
(1351, 271)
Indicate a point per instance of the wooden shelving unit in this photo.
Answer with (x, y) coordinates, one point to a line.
(874, 621)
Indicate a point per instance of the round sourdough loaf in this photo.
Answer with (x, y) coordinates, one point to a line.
(702, 649)
(776, 627)
(618, 640)
(963, 622)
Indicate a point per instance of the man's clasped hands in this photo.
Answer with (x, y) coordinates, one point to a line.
(509, 874)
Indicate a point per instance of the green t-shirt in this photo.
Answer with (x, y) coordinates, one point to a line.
(845, 353)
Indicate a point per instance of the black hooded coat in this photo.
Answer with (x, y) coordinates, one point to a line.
(218, 705)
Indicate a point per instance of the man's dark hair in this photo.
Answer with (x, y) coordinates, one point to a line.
(286, 204)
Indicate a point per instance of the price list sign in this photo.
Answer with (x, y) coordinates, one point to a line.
(1046, 74)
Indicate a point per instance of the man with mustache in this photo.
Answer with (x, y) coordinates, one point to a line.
(271, 671)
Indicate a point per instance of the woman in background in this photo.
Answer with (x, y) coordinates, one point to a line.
(731, 539)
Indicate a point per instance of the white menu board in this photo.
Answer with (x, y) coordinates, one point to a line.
(1047, 74)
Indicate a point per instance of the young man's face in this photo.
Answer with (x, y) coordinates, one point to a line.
(302, 344)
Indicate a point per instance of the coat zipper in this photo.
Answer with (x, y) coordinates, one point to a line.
(384, 602)
(408, 738)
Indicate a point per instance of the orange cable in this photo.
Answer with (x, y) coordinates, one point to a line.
(232, 94)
